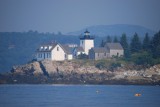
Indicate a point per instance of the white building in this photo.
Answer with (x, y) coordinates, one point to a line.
(54, 51)
(86, 42)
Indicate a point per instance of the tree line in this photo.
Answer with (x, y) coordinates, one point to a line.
(142, 52)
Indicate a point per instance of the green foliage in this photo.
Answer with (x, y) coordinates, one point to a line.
(102, 43)
(101, 65)
(82, 56)
(143, 58)
(108, 64)
(108, 39)
(146, 43)
(124, 43)
(149, 54)
(135, 45)
(156, 61)
(155, 45)
(114, 65)
(115, 39)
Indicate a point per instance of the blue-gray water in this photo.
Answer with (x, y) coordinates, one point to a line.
(78, 96)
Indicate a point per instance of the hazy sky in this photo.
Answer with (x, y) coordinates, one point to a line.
(72, 15)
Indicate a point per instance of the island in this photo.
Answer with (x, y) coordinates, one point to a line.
(81, 72)
(111, 63)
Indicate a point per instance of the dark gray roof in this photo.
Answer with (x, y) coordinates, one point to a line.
(67, 49)
(100, 50)
(114, 46)
(79, 49)
(47, 49)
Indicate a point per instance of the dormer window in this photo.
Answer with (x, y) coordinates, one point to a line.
(49, 47)
(57, 48)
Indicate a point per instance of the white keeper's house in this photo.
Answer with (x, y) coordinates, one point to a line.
(54, 51)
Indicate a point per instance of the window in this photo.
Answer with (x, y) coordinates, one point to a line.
(57, 48)
(117, 54)
(39, 55)
(44, 56)
(49, 55)
(105, 54)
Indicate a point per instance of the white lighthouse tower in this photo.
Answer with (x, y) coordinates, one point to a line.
(86, 42)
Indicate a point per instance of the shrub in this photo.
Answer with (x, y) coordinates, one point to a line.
(114, 65)
(82, 56)
(143, 58)
(101, 65)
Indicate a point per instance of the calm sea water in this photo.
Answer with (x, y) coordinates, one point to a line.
(78, 96)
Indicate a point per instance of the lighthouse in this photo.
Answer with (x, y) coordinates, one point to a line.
(86, 42)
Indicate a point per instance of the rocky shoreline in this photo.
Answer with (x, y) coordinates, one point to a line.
(74, 72)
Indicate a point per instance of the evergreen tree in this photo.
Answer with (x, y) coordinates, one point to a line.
(109, 40)
(155, 45)
(59, 33)
(146, 43)
(102, 43)
(135, 45)
(124, 43)
(115, 40)
(142, 58)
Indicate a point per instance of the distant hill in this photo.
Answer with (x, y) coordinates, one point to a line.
(117, 29)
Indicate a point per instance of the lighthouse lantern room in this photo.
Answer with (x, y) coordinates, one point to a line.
(87, 41)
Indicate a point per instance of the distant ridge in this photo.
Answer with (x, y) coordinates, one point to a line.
(117, 29)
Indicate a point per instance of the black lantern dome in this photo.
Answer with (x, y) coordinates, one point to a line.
(86, 35)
